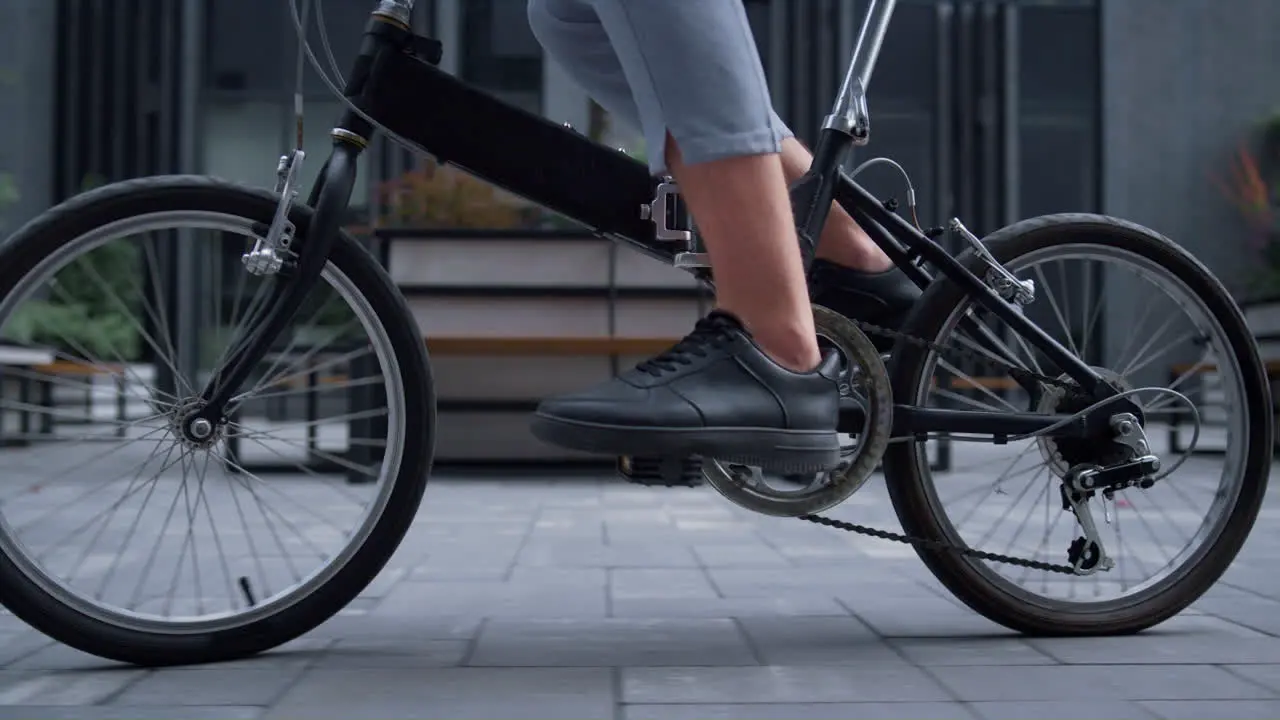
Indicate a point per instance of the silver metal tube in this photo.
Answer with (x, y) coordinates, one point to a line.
(849, 112)
(400, 10)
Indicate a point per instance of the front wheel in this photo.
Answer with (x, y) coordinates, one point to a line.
(1145, 314)
(125, 538)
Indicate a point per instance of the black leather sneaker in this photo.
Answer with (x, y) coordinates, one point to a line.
(881, 298)
(714, 394)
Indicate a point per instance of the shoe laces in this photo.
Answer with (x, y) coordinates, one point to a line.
(710, 332)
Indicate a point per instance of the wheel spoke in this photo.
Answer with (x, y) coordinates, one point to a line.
(978, 501)
(156, 531)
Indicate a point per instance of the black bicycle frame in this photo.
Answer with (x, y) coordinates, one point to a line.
(397, 83)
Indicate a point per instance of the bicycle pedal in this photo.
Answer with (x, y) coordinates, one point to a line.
(661, 471)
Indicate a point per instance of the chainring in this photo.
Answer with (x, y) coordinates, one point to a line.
(864, 380)
(1066, 388)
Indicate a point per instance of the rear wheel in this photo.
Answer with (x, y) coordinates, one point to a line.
(123, 538)
(1167, 323)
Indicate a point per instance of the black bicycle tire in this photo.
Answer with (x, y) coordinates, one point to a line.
(907, 486)
(32, 604)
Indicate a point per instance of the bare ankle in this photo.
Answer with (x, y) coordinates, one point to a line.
(854, 255)
(789, 348)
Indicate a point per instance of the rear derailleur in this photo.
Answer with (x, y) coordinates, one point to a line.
(1082, 483)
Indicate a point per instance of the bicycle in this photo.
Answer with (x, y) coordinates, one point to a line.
(1088, 422)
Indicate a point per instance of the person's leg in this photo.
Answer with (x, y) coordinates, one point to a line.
(842, 241)
(724, 155)
(851, 275)
(744, 384)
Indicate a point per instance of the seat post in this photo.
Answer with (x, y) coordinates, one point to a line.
(849, 113)
(398, 10)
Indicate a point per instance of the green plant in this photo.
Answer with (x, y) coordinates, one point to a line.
(1253, 188)
(441, 196)
(89, 308)
(639, 152)
(9, 196)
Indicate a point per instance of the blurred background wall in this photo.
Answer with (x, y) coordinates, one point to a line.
(999, 109)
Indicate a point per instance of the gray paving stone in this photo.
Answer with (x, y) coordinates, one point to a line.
(116, 712)
(921, 615)
(739, 555)
(1266, 675)
(1196, 649)
(18, 643)
(457, 569)
(528, 598)
(684, 605)
(779, 685)
(210, 686)
(1217, 709)
(799, 711)
(598, 577)
(611, 643)
(830, 640)
(642, 554)
(384, 582)
(409, 625)
(1193, 622)
(61, 658)
(456, 693)
(643, 584)
(393, 653)
(74, 687)
(717, 607)
(1251, 611)
(828, 579)
(1081, 709)
(930, 652)
(1072, 682)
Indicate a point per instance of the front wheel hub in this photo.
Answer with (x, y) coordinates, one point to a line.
(200, 429)
(192, 429)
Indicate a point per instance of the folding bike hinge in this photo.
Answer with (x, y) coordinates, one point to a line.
(663, 212)
(1003, 282)
(268, 253)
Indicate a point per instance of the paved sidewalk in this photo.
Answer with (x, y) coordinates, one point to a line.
(580, 599)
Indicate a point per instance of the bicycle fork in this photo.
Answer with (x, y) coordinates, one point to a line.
(301, 269)
(385, 33)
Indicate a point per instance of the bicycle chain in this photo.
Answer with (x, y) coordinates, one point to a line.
(1017, 373)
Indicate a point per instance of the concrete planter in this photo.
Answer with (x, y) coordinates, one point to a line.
(1263, 318)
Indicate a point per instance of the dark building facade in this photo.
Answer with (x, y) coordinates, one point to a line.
(999, 109)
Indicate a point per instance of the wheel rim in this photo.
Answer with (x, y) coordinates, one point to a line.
(1030, 488)
(225, 485)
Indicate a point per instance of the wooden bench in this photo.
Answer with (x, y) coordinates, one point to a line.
(86, 372)
(1272, 368)
(18, 391)
(523, 347)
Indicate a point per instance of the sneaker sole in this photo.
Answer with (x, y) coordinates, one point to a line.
(784, 451)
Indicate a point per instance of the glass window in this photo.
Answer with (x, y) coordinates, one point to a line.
(244, 140)
(500, 53)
